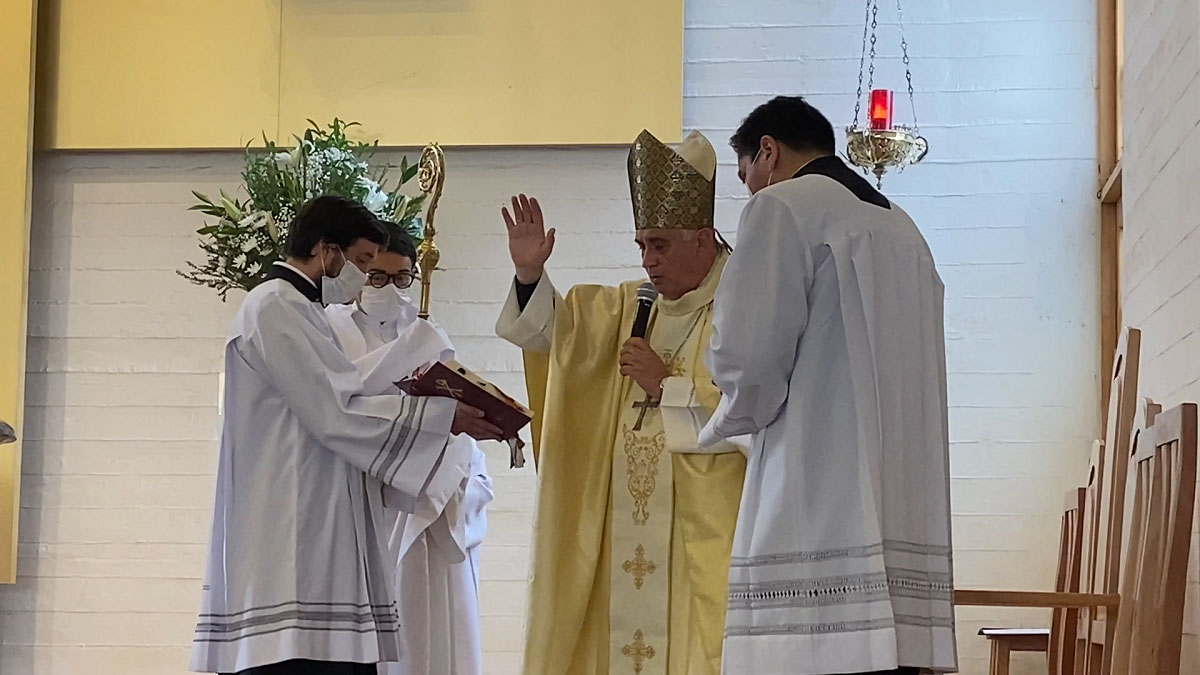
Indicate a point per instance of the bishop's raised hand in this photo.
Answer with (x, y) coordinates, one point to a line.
(529, 242)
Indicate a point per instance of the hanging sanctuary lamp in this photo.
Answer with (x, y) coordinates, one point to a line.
(877, 144)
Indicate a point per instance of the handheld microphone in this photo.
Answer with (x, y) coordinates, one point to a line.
(646, 295)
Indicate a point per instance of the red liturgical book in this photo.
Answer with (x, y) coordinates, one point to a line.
(453, 380)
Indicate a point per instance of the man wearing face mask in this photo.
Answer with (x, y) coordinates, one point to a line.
(436, 562)
(297, 580)
(634, 519)
(828, 346)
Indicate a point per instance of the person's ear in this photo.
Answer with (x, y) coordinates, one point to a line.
(770, 152)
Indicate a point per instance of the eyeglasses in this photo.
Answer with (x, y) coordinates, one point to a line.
(402, 280)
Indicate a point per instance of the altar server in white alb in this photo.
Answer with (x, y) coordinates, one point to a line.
(298, 580)
(828, 347)
(434, 552)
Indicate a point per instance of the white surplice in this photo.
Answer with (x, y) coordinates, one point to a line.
(829, 348)
(436, 561)
(297, 563)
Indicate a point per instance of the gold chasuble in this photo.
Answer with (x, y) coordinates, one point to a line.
(632, 536)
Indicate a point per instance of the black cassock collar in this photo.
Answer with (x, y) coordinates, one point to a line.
(300, 282)
(833, 167)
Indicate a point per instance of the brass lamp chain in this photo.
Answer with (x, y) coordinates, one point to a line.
(907, 70)
(879, 150)
(862, 63)
(866, 60)
(874, 27)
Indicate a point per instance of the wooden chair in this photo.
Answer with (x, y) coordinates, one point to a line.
(1108, 470)
(1006, 641)
(1103, 505)
(1060, 639)
(1064, 625)
(1149, 630)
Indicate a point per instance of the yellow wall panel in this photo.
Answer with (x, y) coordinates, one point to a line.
(485, 72)
(157, 73)
(17, 32)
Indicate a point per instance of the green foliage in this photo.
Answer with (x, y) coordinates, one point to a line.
(248, 235)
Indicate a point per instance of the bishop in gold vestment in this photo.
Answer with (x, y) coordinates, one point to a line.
(635, 521)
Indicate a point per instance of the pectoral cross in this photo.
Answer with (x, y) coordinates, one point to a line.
(644, 406)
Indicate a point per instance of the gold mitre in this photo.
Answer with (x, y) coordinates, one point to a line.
(672, 189)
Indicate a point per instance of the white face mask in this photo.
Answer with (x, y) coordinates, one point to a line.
(388, 304)
(770, 173)
(345, 286)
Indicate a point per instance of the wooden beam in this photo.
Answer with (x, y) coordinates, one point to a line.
(1110, 278)
(1042, 599)
(1108, 144)
(1110, 297)
(1110, 189)
(1119, 104)
(1106, 90)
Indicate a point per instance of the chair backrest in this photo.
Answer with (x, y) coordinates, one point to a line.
(1114, 463)
(1105, 507)
(1148, 411)
(1150, 627)
(1065, 623)
(1091, 521)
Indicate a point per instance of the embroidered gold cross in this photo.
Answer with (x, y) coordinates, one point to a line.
(644, 405)
(639, 567)
(443, 385)
(638, 651)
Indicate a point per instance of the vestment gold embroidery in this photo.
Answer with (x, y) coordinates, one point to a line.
(639, 567)
(641, 455)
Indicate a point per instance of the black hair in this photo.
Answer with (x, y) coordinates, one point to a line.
(333, 220)
(399, 241)
(790, 120)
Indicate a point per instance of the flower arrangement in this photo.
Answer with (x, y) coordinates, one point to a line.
(248, 234)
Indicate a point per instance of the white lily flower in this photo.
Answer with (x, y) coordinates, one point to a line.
(272, 228)
(231, 210)
(337, 155)
(376, 201)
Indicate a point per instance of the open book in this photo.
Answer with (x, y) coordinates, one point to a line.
(453, 380)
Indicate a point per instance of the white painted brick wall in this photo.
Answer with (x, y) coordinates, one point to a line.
(1161, 242)
(124, 355)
